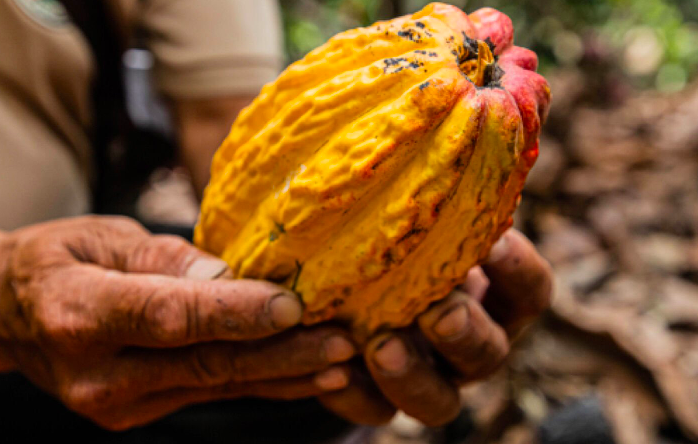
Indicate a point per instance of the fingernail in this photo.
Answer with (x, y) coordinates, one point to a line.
(392, 355)
(206, 268)
(332, 379)
(338, 349)
(285, 311)
(498, 250)
(452, 323)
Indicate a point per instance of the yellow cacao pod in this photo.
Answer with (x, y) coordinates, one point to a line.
(376, 171)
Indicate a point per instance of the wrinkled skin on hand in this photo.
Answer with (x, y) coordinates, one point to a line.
(124, 327)
(120, 326)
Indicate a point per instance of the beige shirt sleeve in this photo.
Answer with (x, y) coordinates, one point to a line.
(45, 112)
(208, 48)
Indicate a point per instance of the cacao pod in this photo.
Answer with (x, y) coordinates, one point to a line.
(376, 171)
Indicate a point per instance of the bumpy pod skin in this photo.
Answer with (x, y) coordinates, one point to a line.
(375, 172)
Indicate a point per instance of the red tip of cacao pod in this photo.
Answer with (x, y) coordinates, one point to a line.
(494, 25)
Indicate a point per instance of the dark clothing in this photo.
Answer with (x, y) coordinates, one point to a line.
(28, 413)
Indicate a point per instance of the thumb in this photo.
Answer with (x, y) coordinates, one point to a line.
(264, 306)
(149, 310)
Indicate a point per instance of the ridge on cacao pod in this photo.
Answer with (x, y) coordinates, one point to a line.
(371, 175)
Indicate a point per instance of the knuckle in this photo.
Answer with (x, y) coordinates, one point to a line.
(165, 253)
(53, 328)
(238, 369)
(205, 367)
(31, 253)
(470, 356)
(87, 397)
(60, 328)
(165, 319)
(54, 313)
(120, 223)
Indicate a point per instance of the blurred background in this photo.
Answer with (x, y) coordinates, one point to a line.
(612, 203)
(651, 43)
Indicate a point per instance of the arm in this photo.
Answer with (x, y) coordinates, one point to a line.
(201, 126)
(211, 59)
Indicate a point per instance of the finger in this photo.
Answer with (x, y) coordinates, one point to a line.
(122, 244)
(464, 334)
(476, 283)
(160, 311)
(295, 353)
(171, 256)
(361, 402)
(409, 382)
(87, 239)
(520, 282)
(157, 405)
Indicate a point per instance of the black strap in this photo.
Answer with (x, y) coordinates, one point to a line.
(109, 108)
(124, 155)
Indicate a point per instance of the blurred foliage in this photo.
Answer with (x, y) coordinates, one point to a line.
(652, 43)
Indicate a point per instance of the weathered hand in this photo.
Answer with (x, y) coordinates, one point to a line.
(460, 339)
(124, 327)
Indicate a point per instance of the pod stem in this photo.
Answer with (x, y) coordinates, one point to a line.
(479, 64)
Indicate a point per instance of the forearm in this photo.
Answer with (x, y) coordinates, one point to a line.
(202, 124)
(5, 248)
